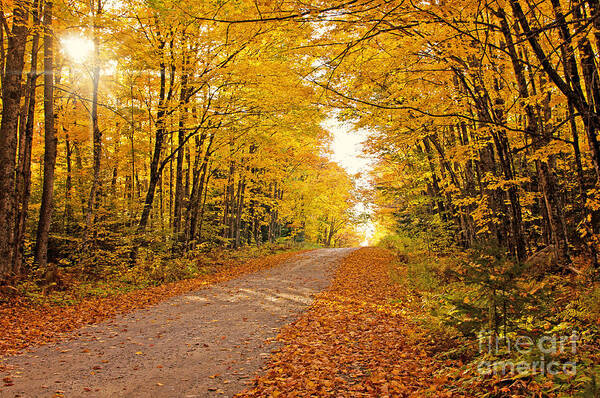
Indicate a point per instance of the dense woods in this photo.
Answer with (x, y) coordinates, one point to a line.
(203, 128)
(155, 129)
(486, 116)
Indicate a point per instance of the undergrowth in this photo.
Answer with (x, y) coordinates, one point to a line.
(99, 276)
(486, 303)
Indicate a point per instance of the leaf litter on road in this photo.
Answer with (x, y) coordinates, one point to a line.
(356, 340)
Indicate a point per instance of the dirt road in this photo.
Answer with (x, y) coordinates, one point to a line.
(202, 344)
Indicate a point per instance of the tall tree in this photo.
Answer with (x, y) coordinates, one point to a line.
(11, 101)
(96, 9)
(50, 141)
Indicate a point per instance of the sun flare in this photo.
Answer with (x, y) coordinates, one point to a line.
(76, 47)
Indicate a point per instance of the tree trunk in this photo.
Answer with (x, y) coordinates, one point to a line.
(576, 150)
(158, 144)
(199, 187)
(240, 208)
(11, 101)
(331, 232)
(228, 198)
(50, 142)
(23, 189)
(179, 187)
(435, 186)
(550, 192)
(192, 206)
(68, 217)
(96, 133)
(207, 172)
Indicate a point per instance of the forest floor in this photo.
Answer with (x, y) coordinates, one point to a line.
(209, 342)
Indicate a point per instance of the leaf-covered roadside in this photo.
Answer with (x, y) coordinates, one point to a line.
(25, 322)
(357, 339)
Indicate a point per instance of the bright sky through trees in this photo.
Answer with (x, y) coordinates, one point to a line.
(77, 47)
(347, 146)
(347, 150)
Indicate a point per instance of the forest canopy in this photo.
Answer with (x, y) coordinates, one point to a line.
(154, 125)
(177, 126)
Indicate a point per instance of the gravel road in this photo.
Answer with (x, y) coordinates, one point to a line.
(207, 343)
